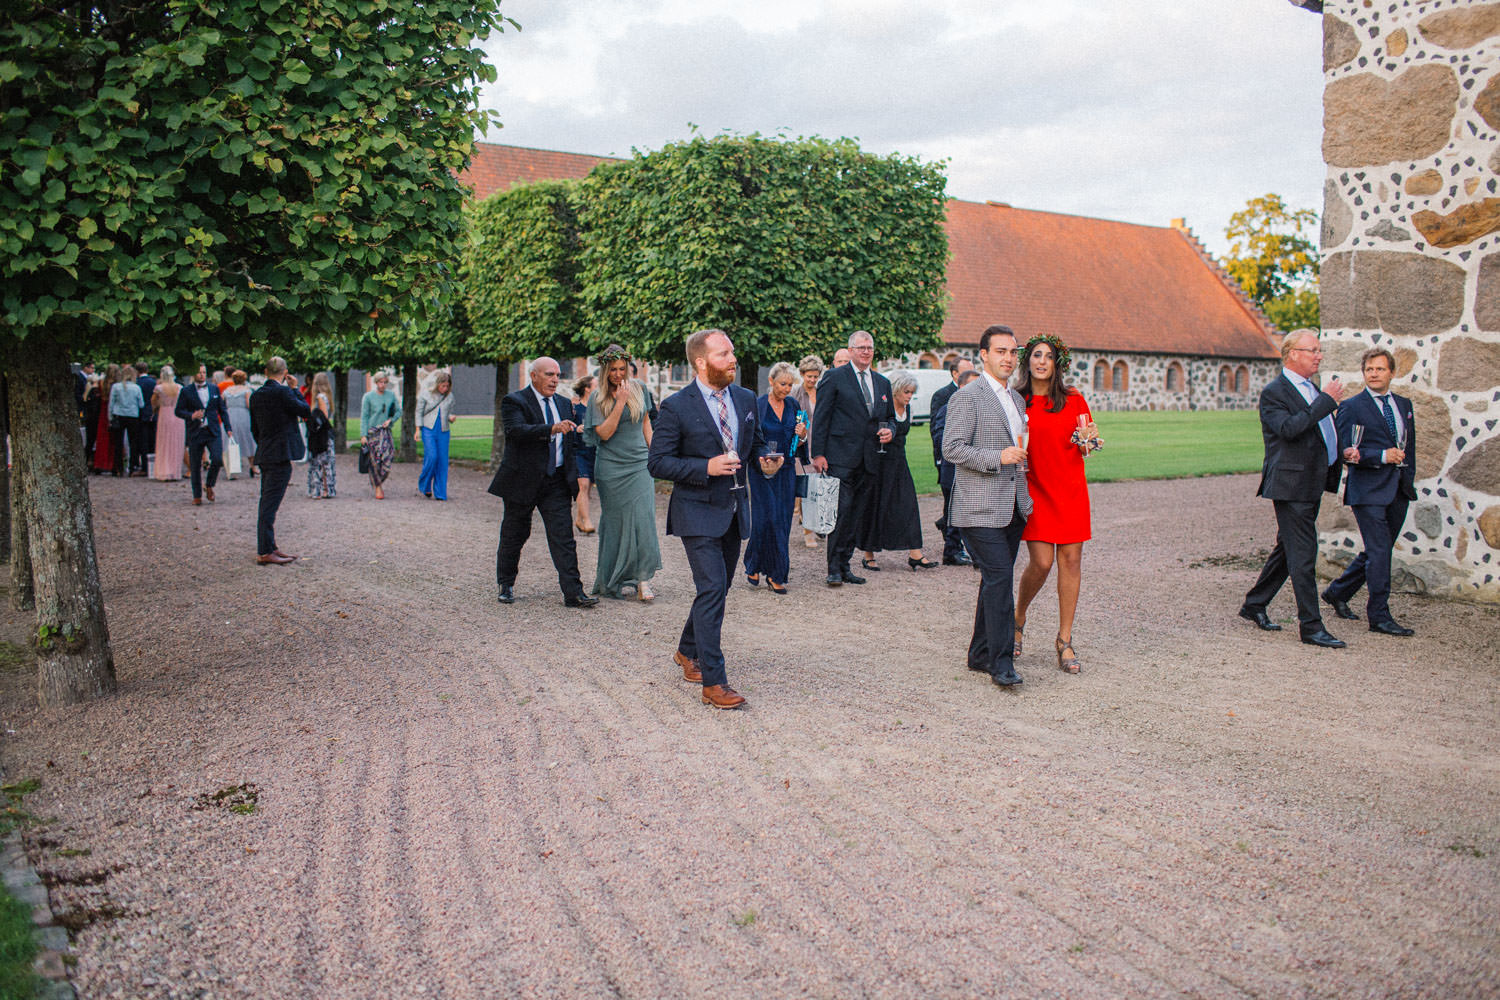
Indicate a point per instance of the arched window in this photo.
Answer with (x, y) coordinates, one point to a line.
(927, 360)
(1226, 379)
(1174, 377)
(1242, 379)
(1101, 376)
(1121, 380)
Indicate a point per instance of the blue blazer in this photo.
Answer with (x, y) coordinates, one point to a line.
(1372, 480)
(274, 412)
(214, 413)
(684, 438)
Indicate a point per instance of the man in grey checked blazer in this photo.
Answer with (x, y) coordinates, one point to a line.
(990, 502)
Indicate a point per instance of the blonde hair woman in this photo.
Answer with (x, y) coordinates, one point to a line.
(619, 428)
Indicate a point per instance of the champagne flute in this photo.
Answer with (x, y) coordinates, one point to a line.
(1356, 435)
(885, 425)
(1401, 442)
(729, 452)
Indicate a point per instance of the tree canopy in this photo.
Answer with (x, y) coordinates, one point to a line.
(1274, 261)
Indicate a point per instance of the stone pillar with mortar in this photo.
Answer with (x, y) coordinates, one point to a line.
(1411, 262)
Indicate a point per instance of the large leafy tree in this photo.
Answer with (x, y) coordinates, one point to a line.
(1273, 254)
(209, 176)
(788, 244)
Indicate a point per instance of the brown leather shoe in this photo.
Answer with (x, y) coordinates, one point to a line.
(278, 552)
(197, 501)
(273, 559)
(690, 671)
(208, 491)
(722, 696)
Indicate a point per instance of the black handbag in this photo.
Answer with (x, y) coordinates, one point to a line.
(364, 460)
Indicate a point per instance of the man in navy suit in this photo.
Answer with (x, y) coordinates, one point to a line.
(145, 430)
(200, 404)
(1302, 462)
(1381, 483)
(853, 401)
(538, 473)
(704, 438)
(275, 409)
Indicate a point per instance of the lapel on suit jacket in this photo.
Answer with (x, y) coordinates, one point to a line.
(996, 413)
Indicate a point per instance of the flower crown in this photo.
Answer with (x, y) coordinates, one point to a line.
(1059, 349)
(612, 353)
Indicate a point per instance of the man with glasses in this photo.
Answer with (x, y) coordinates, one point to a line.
(1302, 462)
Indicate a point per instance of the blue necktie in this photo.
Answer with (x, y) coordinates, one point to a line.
(1325, 426)
(551, 419)
(1390, 418)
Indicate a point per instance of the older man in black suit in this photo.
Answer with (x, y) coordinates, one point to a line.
(537, 473)
(200, 404)
(853, 401)
(1302, 462)
(275, 409)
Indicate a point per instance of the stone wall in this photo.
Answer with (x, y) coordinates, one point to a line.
(1411, 262)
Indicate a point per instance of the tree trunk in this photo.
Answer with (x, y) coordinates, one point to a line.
(340, 410)
(750, 376)
(22, 596)
(502, 389)
(409, 390)
(71, 641)
(4, 470)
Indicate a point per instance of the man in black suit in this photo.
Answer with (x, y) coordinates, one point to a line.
(146, 429)
(953, 542)
(537, 472)
(853, 401)
(1302, 462)
(704, 438)
(275, 409)
(200, 404)
(1381, 483)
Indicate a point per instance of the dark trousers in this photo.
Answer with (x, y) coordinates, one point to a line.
(118, 436)
(953, 539)
(555, 504)
(135, 434)
(1295, 556)
(1378, 527)
(994, 550)
(215, 446)
(273, 479)
(855, 490)
(712, 561)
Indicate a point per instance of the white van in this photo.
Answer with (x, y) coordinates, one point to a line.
(929, 381)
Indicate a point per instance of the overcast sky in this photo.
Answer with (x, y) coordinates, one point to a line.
(1138, 110)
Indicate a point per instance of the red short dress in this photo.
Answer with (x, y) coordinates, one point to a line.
(1054, 473)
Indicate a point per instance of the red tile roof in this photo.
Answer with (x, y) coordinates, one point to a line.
(1099, 285)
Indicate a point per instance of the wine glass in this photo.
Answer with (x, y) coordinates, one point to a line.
(1401, 442)
(773, 451)
(729, 452)
(1356, 435)
(885, 425)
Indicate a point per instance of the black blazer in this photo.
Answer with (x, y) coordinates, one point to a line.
(1296, 465)
(527, 432)
(1372, 480)
(685, 436)
(274, 412)
(844, 431)
(148, 386)
(214, 413)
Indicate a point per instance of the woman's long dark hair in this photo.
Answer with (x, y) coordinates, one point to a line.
(1058, 391)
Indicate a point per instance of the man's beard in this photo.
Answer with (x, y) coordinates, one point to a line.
(717, 377)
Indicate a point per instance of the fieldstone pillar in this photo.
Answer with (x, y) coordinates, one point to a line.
(1411, 262)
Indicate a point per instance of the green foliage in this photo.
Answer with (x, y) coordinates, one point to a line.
(789, 245)
(1274, 261)
(176, 173)
(521, 272)
(18, 949)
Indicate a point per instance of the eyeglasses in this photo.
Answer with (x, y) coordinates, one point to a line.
(1309, 350)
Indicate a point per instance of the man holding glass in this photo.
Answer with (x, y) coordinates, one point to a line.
(853, 402)
(1376, 431)
(1302, 461)
(705, 437)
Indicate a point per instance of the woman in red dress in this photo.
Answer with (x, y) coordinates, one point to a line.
(1060, 431)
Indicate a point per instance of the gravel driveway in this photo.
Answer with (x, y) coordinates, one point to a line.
(459, 799)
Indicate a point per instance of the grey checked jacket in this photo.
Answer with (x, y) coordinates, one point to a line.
(985, 492)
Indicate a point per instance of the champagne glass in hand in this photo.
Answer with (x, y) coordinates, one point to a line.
(885, 425)
(732, 457)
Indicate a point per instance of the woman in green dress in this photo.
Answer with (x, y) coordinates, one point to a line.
(619, 427)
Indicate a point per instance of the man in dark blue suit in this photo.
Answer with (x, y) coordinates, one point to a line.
(200, 404)
(1302, 463)
(705, 437)
(275, 409)
(1381, 483)
(146, 429)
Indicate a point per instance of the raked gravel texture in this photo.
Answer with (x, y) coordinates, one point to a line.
(459, 799)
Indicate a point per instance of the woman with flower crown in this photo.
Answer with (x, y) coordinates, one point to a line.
(618, 426)
(1060, 432)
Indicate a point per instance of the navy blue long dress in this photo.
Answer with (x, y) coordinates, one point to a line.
(771, 499)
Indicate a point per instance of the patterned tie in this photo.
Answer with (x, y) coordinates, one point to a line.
(551, 419)
(864, 387)
(1325, 426)
(1390, 417)
(725, 430)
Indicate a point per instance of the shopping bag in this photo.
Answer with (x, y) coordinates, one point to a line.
(232, 458)
(820, 508)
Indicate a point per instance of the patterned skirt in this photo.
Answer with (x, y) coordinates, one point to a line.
(382, 451)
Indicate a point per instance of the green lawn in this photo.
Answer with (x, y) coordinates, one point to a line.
(1137, 445)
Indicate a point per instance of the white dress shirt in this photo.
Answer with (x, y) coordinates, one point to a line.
(1007, 406)
(549, 414)
(713, 408)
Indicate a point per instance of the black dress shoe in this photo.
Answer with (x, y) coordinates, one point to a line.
(1007, 678)
(1260, 618)
(1391, 628)
(959, 560)
(849, 577)
(834, 580)
(581, 601)
(1322, 638)
(978, 667)
(1340, 608)
(506, 596)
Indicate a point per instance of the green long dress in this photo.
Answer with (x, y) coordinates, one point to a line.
(628, 549)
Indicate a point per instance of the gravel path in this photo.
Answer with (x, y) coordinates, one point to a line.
(458, 799)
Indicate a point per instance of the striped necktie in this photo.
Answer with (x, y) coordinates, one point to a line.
(725, 430)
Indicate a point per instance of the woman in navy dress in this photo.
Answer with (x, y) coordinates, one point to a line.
(771, 497)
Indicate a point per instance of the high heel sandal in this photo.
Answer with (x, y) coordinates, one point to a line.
(1016, 650)
(922, 563)
(870, 564)
(1067, 664)
(775, 589)
(753, 579)
(643, 593)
